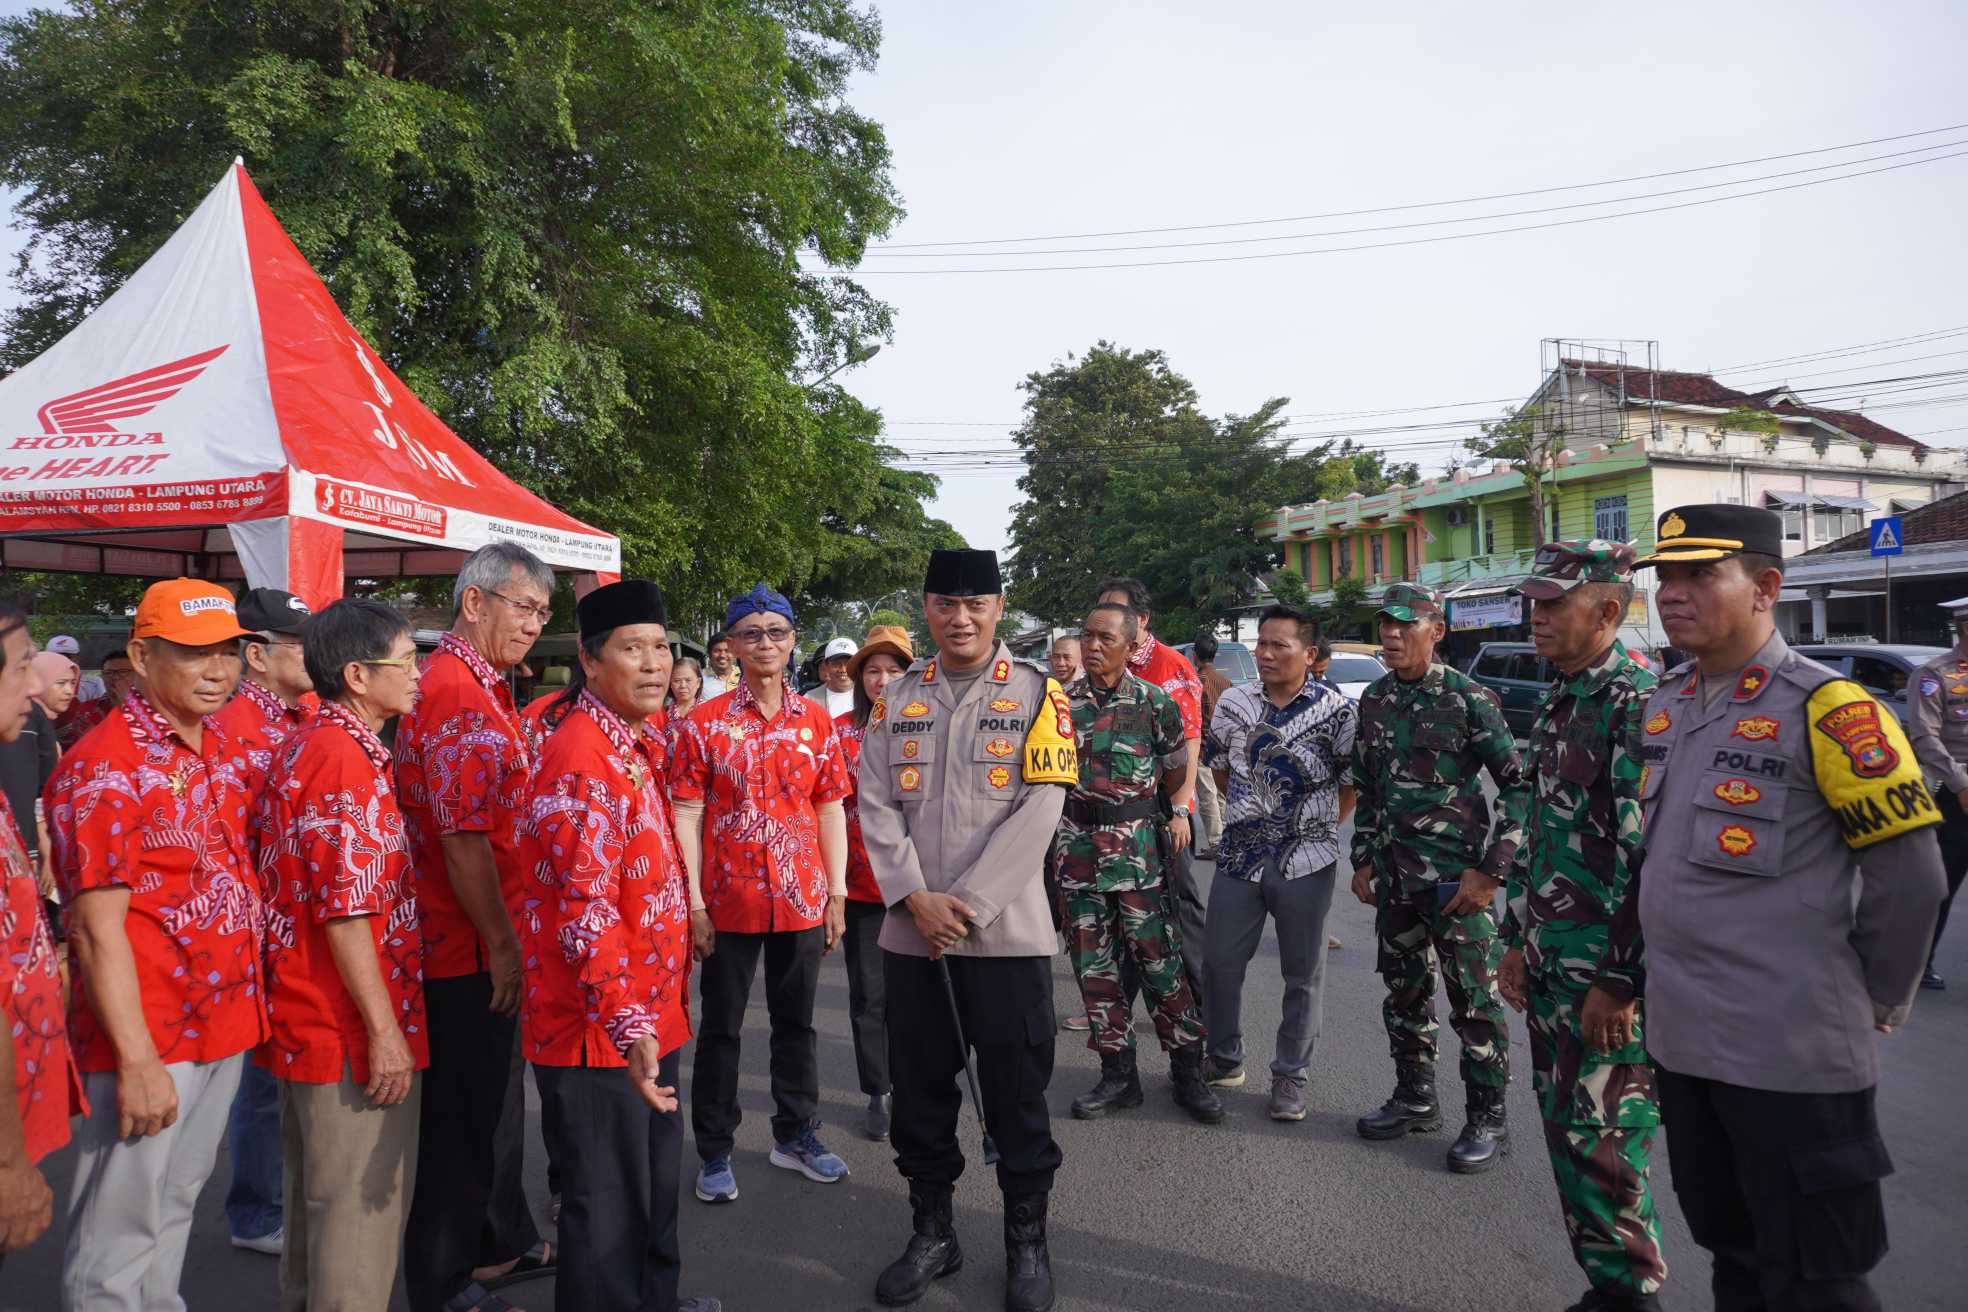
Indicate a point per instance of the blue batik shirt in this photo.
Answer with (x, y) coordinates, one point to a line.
(1285, 764)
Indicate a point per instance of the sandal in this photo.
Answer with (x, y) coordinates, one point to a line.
(539, 1260)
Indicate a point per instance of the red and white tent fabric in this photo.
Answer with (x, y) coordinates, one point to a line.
(218, 416)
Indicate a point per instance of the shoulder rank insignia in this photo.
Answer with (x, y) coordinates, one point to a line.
(1755, 728)
(1751, 683)
(1001, 671)
(1694, 682)
(929, 673)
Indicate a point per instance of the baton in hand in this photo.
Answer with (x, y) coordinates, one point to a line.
(970, 1064)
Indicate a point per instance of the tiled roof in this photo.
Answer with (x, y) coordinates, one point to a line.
(1672, 387)
(1945, 520)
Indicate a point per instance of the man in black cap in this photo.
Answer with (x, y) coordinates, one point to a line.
(265, 712)
(608, 963)
(963, 776)
(1789, 890)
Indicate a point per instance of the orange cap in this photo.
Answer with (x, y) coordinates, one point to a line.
(189, 612)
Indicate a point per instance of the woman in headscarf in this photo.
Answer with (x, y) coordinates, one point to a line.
(881, 659)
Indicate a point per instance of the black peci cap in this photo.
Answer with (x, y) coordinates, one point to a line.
(962, 572)
(1713, 532)
(632, 601)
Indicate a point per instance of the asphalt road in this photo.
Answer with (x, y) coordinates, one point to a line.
(1155, 1212)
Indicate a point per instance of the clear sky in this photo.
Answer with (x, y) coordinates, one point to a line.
(1024, 119)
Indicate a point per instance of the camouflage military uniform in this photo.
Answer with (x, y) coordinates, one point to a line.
(1585, 838)
(1422, 820)
(1109, 870)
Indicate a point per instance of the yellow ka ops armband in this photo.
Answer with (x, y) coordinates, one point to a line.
(1050, 757)
(1865, 768)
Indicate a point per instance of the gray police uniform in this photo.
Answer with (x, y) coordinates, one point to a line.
(1937, 721)
(1769, 961)
(960, 792)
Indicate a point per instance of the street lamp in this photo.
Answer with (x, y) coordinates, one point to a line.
(858, 355)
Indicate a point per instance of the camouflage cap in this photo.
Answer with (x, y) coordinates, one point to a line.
(1561, 566)
(1410, 601)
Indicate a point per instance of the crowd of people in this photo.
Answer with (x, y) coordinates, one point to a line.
(327, 897)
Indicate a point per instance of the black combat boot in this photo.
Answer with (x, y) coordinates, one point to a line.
(1120, 1086)
(1411, 1110)
(1610, 1300)
(1191, 1094)
(1028, 1267)
(932, 1252)
(1484, 1140)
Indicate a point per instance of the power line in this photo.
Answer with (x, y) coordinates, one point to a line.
(1432, 204)
(1418, 223)
(1859, 348)
(1405, 241)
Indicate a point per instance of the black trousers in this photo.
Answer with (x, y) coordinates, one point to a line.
(621, 1164)
(792, 977)
(1783, 1190)
(1954, 859)
(509, 1228)
(867, 996)
(466, 1089)
(1006, 1007)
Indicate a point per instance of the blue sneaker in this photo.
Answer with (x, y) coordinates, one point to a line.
(806, 1154)
(716, 1183)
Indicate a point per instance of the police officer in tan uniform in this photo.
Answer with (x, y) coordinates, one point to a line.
(1787, 899)
(1937, 721)
(964, 773)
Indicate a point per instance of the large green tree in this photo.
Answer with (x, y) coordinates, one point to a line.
(1124, 475)
(592, 234)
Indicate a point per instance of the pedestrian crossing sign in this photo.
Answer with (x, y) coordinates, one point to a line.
(1887, 536)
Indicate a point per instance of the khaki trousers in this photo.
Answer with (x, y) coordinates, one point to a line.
(347, 1185)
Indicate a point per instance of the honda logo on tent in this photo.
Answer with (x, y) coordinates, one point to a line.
(98, 409)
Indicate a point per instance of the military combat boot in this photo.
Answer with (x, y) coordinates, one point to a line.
(1609, 1300)
(1411, 1110)
(1120, 1086)
(1028, 1267)
(1485, 1139)
(932, 1252)
(1191, 1094)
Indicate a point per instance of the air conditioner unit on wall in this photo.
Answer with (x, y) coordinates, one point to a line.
(1458, 517)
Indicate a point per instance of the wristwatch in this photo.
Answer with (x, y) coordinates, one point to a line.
(1186, 812)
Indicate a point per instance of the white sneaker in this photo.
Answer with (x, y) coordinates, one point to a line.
(272, 1245)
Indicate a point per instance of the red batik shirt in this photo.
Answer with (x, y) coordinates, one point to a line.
(462, 767)
(760, 783)
(135, 807)
(257, 723)
(46, 1086)
(605, 931)
(331, 845)
(861, 885)
(1169, 670)
(79, 719)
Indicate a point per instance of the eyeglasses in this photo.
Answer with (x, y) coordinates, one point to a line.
(762, 635)
(400, 662)
(540, 613)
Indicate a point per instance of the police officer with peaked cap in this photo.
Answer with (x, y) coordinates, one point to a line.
(964, 772)
(1937, 721)
(1789, 889)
